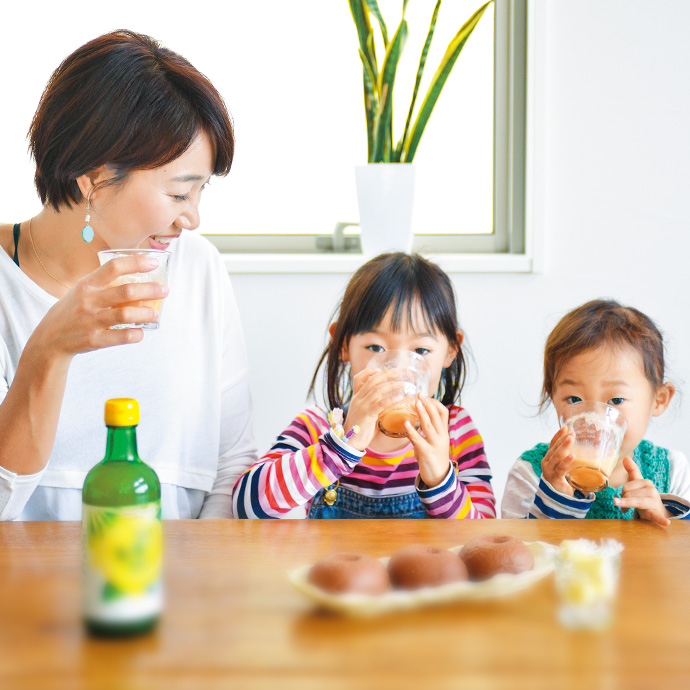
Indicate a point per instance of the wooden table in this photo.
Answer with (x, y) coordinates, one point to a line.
(232, 619)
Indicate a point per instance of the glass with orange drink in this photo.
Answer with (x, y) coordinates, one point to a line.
(413, 370)
(157, 275)
(599, 430)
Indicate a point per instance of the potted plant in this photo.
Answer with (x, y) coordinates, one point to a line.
(385, 187)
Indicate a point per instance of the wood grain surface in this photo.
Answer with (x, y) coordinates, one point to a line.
(232, 619)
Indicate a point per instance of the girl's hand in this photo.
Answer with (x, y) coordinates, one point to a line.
(81, 320)
(372, 392)
(641, 494)
(433, 450)
(558, 460)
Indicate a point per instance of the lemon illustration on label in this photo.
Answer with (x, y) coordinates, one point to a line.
(128, 552)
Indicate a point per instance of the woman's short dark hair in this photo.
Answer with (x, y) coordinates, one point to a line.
(401, 281)
(124, 101)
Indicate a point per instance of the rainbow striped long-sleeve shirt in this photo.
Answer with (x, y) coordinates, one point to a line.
(308, 456)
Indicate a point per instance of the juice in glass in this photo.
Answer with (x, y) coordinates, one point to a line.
(413, 371)
(157, 275)
(599, 430)
(591, 475)
(392, 420)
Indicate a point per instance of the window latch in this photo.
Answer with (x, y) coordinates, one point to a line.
(339, 241)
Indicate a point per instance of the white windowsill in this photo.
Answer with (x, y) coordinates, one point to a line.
(333, 263)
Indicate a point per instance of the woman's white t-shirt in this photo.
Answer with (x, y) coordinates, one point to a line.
(190, 377)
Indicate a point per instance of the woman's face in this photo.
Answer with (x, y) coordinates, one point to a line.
(152, 207)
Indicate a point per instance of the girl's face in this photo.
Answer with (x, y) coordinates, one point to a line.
(152, 207)
(615, 377)
(434, 347)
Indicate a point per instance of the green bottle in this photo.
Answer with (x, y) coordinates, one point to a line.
(122, 534)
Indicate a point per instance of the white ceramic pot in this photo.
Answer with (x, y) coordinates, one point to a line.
(385, 193)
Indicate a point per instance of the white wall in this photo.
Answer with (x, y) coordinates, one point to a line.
(613, 143)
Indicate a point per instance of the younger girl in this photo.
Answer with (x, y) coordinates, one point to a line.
(401, 302)
(606, 353)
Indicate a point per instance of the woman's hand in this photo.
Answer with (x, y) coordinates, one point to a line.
(433, 450)
(558, 460)
(81, 320)
(372, 392)
(641, 494)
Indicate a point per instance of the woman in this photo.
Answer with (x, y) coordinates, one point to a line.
(125, 138)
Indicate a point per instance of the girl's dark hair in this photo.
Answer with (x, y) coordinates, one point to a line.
(400, 281)
(124, 101)
(602, 322)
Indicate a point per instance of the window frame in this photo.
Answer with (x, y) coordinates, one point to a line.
(509, 239)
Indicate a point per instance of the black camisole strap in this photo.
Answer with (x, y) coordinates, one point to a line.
(16, 243)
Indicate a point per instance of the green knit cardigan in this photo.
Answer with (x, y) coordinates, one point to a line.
(653, 464)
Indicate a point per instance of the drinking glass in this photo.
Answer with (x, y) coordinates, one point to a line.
(415, 372)
(599, 430)
(587, 582)
(157, 275)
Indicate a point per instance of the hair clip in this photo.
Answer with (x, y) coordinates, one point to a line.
(335, 419)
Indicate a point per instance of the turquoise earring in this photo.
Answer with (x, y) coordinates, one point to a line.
(87, 231)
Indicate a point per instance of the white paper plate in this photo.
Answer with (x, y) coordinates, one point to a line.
(361, 605)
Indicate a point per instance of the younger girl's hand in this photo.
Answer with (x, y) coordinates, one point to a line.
(558, 460)
(81, 320)
(641, 494)
(372, 392)
(433, 450)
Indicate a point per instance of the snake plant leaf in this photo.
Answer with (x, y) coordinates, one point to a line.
(371, 51)
(360, 15)
(437, 82)
(386, 81)
(373, 7)
(418, 79)
(369, 78)
(370, 101)
(371, 114)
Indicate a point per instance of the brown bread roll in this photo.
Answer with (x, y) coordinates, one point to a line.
(487, 556)
(421, 565)
(343, 573)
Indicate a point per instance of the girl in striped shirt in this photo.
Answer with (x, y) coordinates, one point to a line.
(604, 352)
(394, 302)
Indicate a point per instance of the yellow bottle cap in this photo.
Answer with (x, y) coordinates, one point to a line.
(121, 412)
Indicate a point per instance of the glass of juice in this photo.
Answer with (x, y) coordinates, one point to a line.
(599, 430)
(157, 275)
(414, 371)
(587, 582)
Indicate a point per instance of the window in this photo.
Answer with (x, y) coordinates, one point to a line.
(469, 194)
(292, 80)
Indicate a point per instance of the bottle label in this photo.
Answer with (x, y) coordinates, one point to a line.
(122, 557)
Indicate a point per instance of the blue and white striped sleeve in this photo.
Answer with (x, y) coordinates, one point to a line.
(679, 508)
(677, 500)
(549, 503)
(528, 496)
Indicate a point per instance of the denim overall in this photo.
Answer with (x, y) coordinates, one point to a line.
(351, 505)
